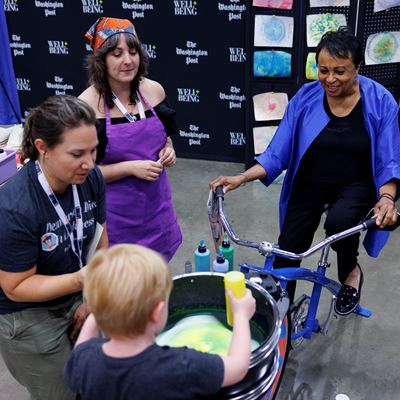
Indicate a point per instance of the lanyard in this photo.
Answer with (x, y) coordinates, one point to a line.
(128, 115)
(75, 233)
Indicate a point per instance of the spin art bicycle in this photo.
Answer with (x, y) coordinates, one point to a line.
(283, 324)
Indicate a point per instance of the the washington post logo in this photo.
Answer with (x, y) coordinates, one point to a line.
(23, 84)
(185, 7)
(150, 49)
(236, 54)
(92, 6)
(57, 47)
(186, 95)
(10, 5)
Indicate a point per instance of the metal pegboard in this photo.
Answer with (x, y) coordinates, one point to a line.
(370, 23)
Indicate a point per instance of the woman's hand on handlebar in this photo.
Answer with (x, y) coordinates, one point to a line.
(385, 212)
(228, 182)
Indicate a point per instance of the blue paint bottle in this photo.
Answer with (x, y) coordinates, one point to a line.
(220, 264)
(202, 258)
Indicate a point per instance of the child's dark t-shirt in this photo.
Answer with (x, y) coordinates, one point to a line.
(159, 373)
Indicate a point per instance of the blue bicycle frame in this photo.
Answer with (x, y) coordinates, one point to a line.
(283, 275)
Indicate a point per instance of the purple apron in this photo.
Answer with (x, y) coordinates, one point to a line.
(140, 211)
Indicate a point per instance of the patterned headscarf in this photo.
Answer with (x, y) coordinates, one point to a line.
(106, 27)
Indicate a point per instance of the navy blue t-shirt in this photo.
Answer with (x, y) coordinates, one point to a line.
(31, 233)
(157, 373)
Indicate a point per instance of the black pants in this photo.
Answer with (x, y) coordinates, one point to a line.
(349, 204)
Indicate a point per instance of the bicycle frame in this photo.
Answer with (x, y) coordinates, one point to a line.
(283, 275)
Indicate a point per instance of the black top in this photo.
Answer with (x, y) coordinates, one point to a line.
(341, 153)
(31, 232)
(164, 111)
(157, 373)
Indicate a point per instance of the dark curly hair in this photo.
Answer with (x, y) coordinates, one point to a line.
(341, 44)
(49, 120)
(96, 66)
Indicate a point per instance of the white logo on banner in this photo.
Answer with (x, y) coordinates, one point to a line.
(59, 86)
(150, 50)
(186, 95)
(194, 135)
(191, 53)
(185, 7)
(138, 7)
(11, 5)
(50, 7)
(237, 139)
(23, 84)
(18, 47)
(92, 6)
(57, 47)
(234, 98)
(235, 9)
(236, 55)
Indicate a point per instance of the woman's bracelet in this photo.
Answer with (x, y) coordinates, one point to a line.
(387, 196)
(245, 176)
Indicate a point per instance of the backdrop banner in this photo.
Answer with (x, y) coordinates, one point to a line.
(196, 51)
(10, 111)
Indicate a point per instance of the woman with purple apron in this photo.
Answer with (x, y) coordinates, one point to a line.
(134, 147)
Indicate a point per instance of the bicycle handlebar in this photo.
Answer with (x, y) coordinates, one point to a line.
(267, 248)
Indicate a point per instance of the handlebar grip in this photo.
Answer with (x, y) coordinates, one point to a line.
(370, 223)
(219, 191)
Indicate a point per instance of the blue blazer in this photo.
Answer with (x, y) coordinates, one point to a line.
(305, 118)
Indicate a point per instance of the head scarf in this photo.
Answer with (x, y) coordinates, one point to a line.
(106, 27)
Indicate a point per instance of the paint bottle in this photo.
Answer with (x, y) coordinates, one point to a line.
(220, 264)
(202, 258)
(188, 267)
(234, 281)
(227, 251)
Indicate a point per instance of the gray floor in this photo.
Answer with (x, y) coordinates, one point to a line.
(359, 357)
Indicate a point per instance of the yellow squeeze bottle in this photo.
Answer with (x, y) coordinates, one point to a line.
(234, 281)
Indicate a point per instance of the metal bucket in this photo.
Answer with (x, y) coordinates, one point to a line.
(204, 291)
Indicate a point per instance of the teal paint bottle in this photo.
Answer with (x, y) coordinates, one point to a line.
(228, 251)
(202, 258)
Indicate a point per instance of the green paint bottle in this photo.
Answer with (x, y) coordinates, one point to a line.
(227, 251)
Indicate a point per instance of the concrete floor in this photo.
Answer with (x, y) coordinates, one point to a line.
(358, 357)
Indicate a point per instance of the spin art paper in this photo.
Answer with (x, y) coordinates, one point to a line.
(380, 5)
(269, 106)
(311, 67)
(270, 63)
(273, 31)
(329, 3)
(279, 4)
(262, 136)
(318, 24)
(382, 48)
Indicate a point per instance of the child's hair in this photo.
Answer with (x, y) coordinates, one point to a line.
(123, 285)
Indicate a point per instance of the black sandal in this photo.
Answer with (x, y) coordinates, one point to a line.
(348, 297)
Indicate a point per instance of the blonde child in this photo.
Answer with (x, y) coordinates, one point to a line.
(127, 289)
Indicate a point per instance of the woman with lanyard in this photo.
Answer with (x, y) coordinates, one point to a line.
(134, 118)
(49, 212)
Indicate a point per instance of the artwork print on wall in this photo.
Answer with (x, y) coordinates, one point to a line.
(380, 5)
(272, 64)
(273, 31)
(311, 67)
(262, 136)
(318, 24)
(278, 4)
(329, 3)
(382, 48)
(269, 106)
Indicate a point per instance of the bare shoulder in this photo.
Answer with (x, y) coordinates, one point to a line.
(91, 97)
(152, 91)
